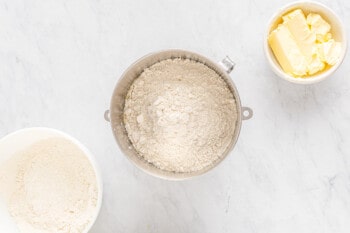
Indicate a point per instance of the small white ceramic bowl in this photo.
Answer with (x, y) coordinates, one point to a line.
(23, 138)
(337, 30)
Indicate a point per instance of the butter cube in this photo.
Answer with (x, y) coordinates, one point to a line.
(330, 51)
(323, 38)
(315, 65)
(298, 27)
(287, 51)
(318, 24)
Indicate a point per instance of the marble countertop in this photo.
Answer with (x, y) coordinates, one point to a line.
(290, 170)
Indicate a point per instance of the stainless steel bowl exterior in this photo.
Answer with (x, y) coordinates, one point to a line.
(115, 113)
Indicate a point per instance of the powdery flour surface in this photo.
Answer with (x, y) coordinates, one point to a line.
(50, 187)
(180, 115)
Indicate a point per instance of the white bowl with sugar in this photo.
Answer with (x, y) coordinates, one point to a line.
(49, 182)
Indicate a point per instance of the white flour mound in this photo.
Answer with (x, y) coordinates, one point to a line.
(50, 187)
(180, 115)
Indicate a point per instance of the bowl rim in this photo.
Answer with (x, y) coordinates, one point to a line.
(86, 152)
(276, 68)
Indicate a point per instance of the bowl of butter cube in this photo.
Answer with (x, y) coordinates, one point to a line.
(305, 42)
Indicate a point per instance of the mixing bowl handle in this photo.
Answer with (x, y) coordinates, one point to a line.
(227, 64)
(106, 116)
(247, 113)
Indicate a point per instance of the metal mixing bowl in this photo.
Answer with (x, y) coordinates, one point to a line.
(115, 114)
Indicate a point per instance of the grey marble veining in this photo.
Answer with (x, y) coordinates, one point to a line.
(290, 170)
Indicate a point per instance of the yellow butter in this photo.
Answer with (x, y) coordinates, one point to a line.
(303, 45)
(296, 24)
(329, 52)
(317, 24)
(323, 38)
(287, 51)
(315, 65)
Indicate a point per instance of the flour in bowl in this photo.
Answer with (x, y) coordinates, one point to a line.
(50, 187)
(180, 115)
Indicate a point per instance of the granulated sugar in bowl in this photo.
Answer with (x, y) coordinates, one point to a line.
(49, 182)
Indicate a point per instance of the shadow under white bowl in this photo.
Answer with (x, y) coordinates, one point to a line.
(19, 140)
(337, 30)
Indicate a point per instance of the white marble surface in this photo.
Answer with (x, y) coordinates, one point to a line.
(290, 170)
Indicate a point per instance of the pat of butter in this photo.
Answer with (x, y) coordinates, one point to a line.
(303, 45)
(329, 52)
(287, 51)
(315, 65)
(318, 25)
(296, 24)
